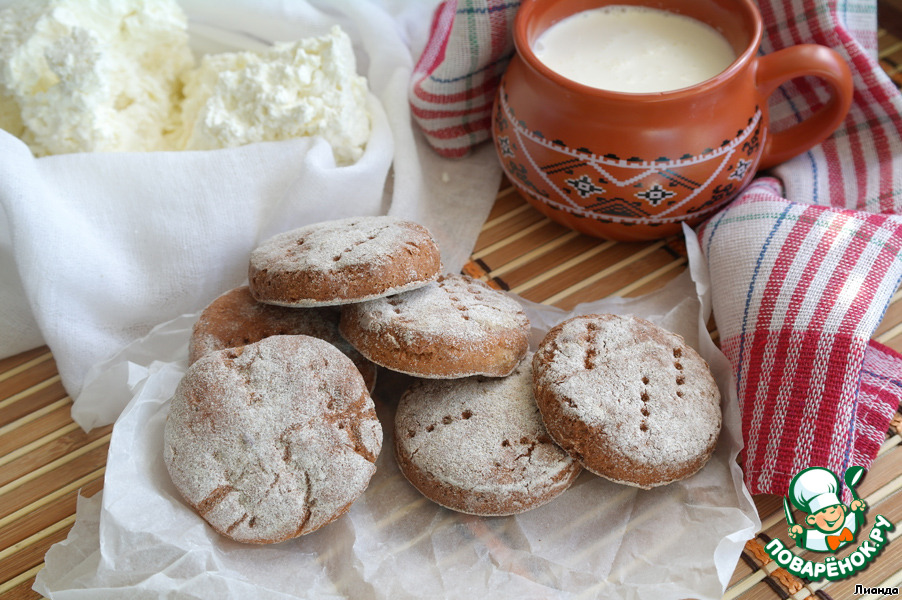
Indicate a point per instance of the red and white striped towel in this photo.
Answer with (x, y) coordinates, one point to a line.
(454, 82)
(806, 266)
(798, 290)
(803, 263)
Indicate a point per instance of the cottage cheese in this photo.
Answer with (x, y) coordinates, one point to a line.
(92, 75)
(118, 75)
(305, 88)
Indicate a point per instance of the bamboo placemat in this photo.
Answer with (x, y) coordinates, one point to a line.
(46, 460)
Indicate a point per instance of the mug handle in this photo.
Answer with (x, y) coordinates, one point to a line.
(798, 61)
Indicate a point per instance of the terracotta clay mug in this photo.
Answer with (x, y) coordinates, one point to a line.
(633, 166)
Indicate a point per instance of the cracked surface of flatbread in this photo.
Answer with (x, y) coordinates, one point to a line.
(342, 261)
(272, 440)
(631, 401)
(477, 445)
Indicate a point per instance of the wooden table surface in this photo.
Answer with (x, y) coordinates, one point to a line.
(46, 460)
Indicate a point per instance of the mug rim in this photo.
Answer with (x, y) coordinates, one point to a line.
(528, 8)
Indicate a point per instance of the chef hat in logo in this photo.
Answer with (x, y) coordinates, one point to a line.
(813, 489)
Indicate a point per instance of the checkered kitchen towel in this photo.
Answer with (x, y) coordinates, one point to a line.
(454, 82)
(803, 264)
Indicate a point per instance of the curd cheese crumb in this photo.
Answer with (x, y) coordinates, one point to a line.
(92, 75)
(118, 75)
(305, 88)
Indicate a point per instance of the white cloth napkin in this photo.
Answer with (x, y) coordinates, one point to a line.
(96, 249)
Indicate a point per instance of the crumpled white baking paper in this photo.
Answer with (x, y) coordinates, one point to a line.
(138, 539)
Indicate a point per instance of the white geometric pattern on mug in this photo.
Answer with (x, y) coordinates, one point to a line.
(585, 186)
(603, 166)
(741, 167)
(655, 194)
(504, 144)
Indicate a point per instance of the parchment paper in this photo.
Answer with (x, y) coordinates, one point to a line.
(598, 539)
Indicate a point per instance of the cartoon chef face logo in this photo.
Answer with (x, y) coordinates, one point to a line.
(831, 526)
(829, 519)
(831, 523)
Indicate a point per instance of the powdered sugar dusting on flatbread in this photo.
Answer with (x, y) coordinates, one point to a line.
(343, 261)
(454, 306)
(481, 435)
(388, 291)
(338, 244)
(272, 440)
(651, 394)
(236, 319)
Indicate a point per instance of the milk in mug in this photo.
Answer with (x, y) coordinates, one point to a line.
(633, 49)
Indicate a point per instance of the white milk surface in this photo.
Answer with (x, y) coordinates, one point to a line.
(633, 49)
